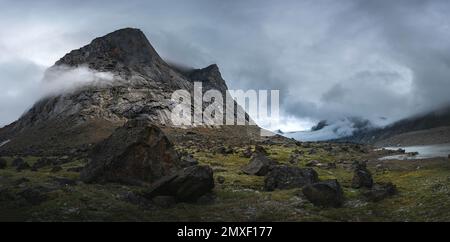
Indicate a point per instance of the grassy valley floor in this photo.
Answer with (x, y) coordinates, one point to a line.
(423, 191)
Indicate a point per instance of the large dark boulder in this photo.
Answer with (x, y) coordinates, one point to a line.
(136, 153)
(287, 177)
(259, 165)
(380, 191)
(186, 185)
(324, 194)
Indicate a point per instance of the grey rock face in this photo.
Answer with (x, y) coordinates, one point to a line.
(123, 49)
(142, 86)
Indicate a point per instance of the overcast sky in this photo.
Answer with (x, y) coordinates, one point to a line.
(329, 59)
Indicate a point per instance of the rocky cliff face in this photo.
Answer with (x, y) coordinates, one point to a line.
(142, 87)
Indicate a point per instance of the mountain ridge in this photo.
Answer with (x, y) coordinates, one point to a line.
(142, 87)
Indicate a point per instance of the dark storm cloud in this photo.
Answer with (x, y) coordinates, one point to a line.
(328, 58)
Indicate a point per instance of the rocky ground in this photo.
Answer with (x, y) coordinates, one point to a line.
(265, 181)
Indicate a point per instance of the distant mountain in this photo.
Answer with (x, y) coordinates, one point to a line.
(426, 128)
(330, 130)
(322, 124)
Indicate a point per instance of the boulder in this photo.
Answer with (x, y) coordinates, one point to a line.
(220, 179)
(188, 160)
(136, 153)
(258, 165)
(287, 177)
(16, 162)
(247, 153)
(362, 178)
(294, 158)
(312, 151)
(415, 153)
(380, 191)
(224, 150)
(186, 185)
(23, 166)
(3, 163)
(324, 194)
(359, 165)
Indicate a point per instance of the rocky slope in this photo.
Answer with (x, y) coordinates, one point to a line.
(142, 87)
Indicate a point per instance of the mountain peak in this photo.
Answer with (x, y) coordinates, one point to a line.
(210, 76)
(128, 47)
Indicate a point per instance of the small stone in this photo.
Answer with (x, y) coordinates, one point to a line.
(247, 153)
(188, 160)
(220, 179)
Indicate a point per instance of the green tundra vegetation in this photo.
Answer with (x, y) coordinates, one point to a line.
(49, 195)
